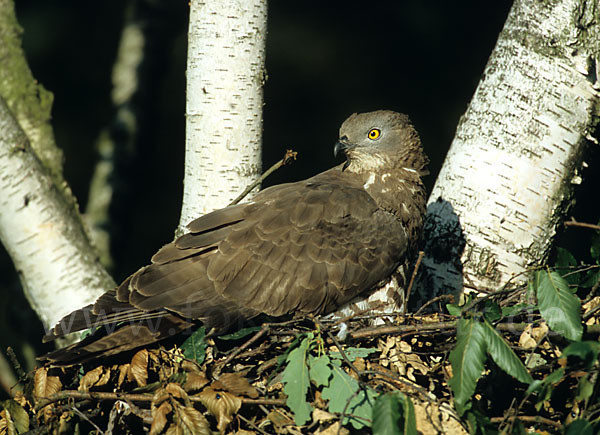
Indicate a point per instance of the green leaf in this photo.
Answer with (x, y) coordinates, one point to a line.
(320, 370)
(595, 247)
(194, 347)
(491, 310)
(586, 351)
(504, 356)
(591, 278)
(513, 310)
(394, 414)
(558, 305)
(564, 259)
(544, 388)
(479, 423)
(579, 427)
(453, 310)
(467, 359)
(240, 333)
(296, 382)
(566, 263)
(354, 352)
(585, 389)
(18, 414)
(344, 389)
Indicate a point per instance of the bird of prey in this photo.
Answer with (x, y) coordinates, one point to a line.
(307, 247)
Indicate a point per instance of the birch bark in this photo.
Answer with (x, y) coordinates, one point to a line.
(506, 182)
(225, 76)
(42, 232)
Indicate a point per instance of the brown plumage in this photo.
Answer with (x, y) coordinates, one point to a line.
(297, 248)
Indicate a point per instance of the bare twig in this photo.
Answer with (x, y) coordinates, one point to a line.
(412, 280)
(574, 223)
(86, 418)
(529, 419)
(433, 301)
(237, 351)
(133, 397)
(287, 159)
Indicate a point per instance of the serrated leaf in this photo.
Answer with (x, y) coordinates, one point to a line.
(467, 359)
(342, 390)
(240, 333)
(354, 352)
(194, 347)
(296, 382)
(504, 356)
(558, 305)
(320, 370)
(18, 415)
(394, 413)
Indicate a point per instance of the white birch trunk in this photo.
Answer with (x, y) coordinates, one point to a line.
(42, 233)
(506, 181)
(225, 76)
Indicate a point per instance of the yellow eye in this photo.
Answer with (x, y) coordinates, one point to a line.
(374, 134)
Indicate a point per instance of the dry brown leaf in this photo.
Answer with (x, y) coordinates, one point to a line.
(279, 420)
(194, 381)
(589, 306)
(235, 384)
(159, 417)
(94, 378)
(138, 369)
(44, 385)
(432, 420)
(321, 416)
(221, 404)
(531, 336)
(192, 422)
(123, 370)
(176, 391)
(333, 429)
(7, 427)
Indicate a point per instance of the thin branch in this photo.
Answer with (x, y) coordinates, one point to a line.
(133, 397)
(287, 159)
(412, 280)
(433, 301)
(240, 349)
(529, 419)
(574, 223)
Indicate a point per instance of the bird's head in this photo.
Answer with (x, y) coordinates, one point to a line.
(379, 140)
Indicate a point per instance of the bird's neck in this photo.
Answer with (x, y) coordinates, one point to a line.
(400, 191)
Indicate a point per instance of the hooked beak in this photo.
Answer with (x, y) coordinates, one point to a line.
(342, 145)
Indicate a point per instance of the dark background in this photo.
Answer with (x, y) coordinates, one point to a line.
(325, 60)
